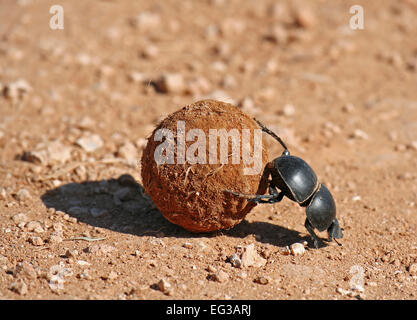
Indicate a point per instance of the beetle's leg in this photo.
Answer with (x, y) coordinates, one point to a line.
(334, 231)
(310, 230)
(270, 198)
(272, 189)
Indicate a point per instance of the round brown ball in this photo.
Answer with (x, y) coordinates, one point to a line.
(192, 195)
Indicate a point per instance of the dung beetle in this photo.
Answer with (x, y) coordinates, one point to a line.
(297, 181)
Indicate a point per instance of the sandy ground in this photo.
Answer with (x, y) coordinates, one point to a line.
(77, 104)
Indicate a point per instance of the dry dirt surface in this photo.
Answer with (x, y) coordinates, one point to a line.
(78, 103)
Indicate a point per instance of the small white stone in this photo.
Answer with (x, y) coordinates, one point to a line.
(34, 226)
(358, 133)
(90, 143)
(22, 195)
(145, 21)
(288, 110)
(250, 257)
(170, 83)
(297, 249)
(19, 218)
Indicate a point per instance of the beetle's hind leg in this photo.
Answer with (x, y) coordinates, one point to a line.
(314, 237)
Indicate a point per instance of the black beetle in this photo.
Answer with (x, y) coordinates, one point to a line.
(297, 181)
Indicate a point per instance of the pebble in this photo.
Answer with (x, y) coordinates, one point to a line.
(359, 134)
(36, 241)
(90, 143)
(277, 35)
(261, 280)
(100, 249)
(141, 143)
(19, 218)
(348, 108)
(85, 123)
(228, 82)
(34, 226)
(412, 269)
(251, 258)
(305, 17)
(357, 287)
(3, 194)
(137, 77)
(288, 110)
(71, 253)
(198, 86)
(170, 83)
(83, 263)
(211, 269)
(165, 287)
(48, 153)
(219, 276)
(19, 286)
(16, 90)
(55, 237)
(297, 249)
(84, 275)
(25, 269)
(150, 51)
(248, 105)
(111, 276)
(23, 195)
(413, 145)
(145, 21)
(84, 59)
(188, 245)
(128, 152)
(3, 260)
(56, 277)
(235, 260)
(343, 292)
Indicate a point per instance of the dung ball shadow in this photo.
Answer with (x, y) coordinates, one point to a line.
(122, 205)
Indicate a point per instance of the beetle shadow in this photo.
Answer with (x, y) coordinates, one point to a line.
(122, 205)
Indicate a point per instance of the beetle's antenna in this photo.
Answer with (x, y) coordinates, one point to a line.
(272, 134)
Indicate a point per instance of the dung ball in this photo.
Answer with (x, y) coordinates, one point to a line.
(197, 153)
